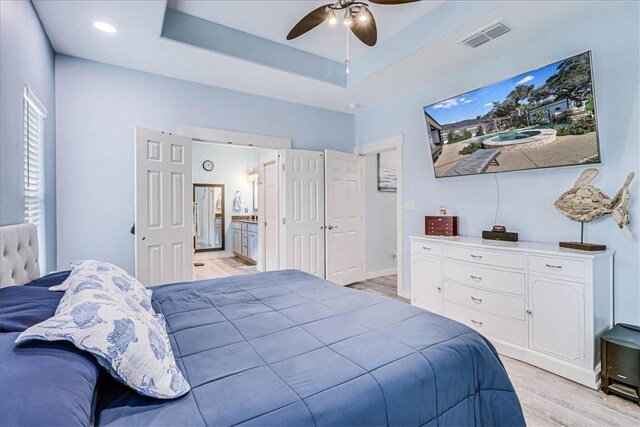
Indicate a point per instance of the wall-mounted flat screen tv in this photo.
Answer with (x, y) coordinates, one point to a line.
(540, 119)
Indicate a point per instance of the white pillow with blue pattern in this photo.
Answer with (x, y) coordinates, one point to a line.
(127, 340)
(103, 275)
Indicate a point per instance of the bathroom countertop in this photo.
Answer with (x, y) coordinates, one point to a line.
(247, 221)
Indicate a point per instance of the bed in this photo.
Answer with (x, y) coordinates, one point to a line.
(288, 348)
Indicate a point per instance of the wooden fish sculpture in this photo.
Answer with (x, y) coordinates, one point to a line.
(585, 203)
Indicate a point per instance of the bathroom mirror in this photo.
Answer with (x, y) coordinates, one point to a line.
(208, 217)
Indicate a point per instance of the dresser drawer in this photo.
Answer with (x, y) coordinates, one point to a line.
(483, 277)
(491, 302)
(482, 256)
(511, 331)
(426, 248)
(252, 228)
(557, 266)
(237, 225)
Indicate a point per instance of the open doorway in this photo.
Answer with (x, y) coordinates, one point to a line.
(226, 207)
(381, 251)
(382, 195)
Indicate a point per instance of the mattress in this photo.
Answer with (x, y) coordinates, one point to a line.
(287, 348)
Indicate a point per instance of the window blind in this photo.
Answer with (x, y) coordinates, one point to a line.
(33, 138)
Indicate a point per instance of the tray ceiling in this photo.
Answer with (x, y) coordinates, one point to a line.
(418, 44)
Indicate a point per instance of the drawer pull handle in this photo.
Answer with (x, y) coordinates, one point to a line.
(426, 248)
(476, 300)
(476, 323)
(559, 267)
(476, 278)
(476, 256)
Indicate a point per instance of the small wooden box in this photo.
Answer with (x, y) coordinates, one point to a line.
(441, 225)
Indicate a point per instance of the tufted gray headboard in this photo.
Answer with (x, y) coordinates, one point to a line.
(19, 251)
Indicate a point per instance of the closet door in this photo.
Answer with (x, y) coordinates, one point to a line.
(163, 207)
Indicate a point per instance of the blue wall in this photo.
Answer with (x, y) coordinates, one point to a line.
(26, 59)
(98, 107)
(527, 197)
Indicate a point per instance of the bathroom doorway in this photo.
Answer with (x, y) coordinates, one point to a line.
(227, 232)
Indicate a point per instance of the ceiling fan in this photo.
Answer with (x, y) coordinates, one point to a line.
(357, 16)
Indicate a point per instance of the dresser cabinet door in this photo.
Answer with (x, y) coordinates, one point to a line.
(556, 318)
(426, 283)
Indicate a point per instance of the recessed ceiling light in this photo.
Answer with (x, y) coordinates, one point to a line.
(105, 27)
(354, 106)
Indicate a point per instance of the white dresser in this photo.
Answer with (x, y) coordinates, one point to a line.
(536, 302)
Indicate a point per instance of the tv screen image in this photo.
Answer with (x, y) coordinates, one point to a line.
(539, 119)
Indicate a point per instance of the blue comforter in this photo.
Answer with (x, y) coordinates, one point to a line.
(287, 348)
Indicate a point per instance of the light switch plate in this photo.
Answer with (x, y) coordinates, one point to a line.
(410, 205)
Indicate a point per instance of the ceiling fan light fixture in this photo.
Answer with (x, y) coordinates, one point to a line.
(348, 20)
(362, 16)
(332, 17)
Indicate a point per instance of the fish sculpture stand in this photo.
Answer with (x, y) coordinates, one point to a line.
(585, 203)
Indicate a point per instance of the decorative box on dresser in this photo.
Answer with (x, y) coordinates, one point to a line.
(536, 302)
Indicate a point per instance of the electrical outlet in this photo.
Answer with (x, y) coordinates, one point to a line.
(410, 205)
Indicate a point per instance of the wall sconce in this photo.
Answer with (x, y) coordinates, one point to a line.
(254, 176)
(254, 179)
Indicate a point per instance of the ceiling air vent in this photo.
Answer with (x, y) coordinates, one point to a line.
(476, 40)
(496, 30)
(486, 34)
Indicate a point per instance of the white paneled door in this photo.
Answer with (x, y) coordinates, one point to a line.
(163, 207)
(344, 221)
(302, 202)
(270, 209)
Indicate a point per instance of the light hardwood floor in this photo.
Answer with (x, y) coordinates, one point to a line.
(220, 267)
(550, 400)
(384, 285)
(546, 399)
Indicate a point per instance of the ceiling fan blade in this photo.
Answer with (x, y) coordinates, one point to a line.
(309, 22)
(392, 2)
(366, 31)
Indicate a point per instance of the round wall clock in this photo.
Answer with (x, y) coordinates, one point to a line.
(207, 165)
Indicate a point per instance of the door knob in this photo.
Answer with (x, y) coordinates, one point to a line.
(331, 227)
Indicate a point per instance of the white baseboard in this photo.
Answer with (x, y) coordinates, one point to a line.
(378, 273)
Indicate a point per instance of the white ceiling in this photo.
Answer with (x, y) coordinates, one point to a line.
(273, 20)
(137, 44)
